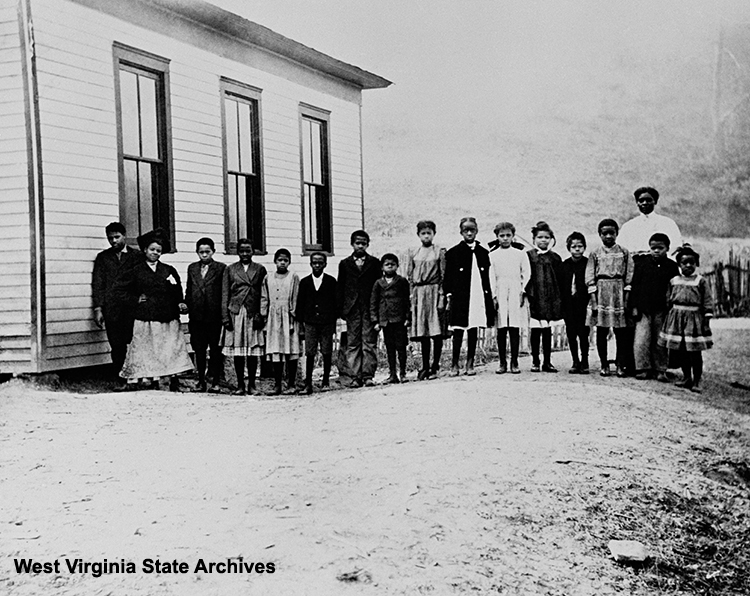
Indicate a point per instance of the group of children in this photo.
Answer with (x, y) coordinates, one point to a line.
(242, 311)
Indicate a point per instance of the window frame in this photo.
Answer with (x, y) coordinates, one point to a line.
(250, 94)
(310, 112)
(137, 59)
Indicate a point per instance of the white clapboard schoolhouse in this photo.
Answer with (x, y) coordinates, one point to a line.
(158, 113)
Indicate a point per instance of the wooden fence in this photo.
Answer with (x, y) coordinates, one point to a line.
(730, 284)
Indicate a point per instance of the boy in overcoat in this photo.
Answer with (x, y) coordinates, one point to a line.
(203, 299)
(316, 310)
(111, 307)
(357, 274)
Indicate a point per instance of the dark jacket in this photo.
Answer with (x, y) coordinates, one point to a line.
(203, 294)
(574, 272)
(544, 289)
(241, 289)
(108, 273)
(650, 285)
(457, 282)
(317, 307)
(162, 290)
(354, 285)
(390, 302)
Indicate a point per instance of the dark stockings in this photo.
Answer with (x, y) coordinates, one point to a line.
(543, 336)
(692, 367)
(310, 366)
(514, 334)
(471, 344)
(576, 336)
(239, 367)
(291, 374)
(602, 333)
(425, 343)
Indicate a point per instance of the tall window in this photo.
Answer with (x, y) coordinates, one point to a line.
(243, 188)
(316, 180)
(144, 146)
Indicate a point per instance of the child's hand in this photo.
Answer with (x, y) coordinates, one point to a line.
(142, 298)
(448, 300)
(636, 314)
(407, 322)
(376, 326)
(228, 325)
(183, 308)
(706, 326)
(99, 317)
(523, 299)
(495, 304)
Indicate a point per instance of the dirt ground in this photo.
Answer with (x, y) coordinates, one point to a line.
(482, 485)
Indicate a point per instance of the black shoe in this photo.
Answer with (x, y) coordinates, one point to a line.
(548, 368)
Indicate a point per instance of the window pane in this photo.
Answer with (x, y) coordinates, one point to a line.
(317, 176)
(242, 207)
(149, 134)
(306, 150)
(232, 207)
(246, 138)
(311, 216)
(130, 198)
(233, 157)
(129, 112)
(145, 197)
(255, 208)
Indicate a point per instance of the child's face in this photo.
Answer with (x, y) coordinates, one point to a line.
(469, 232)
(542, 239)
(116, 240)
(205, 253)
(317, 264)
(426, 236)
(576, 249)
(504, 237)
(360, 246)
(282, 263)
(153, 252)
(645, 203)
(658, 249)
(687, 265)
(389, 268)
(245, 253)
(608, 234)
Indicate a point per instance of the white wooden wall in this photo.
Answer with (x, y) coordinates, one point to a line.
(77, 106)
(15, 280)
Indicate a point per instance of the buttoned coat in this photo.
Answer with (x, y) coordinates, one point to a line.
(317, 307)
(390, 302)
(354, 285)
(108, 272)
(240, 288)
(457, 282)
(203, 294)
(161, 289)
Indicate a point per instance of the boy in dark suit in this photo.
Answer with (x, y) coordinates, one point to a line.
(390, 310)
(316, 309)
(357, 274)
(203, 299)
(111, 308)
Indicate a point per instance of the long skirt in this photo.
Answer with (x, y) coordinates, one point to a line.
(156, 350)
(243, 340)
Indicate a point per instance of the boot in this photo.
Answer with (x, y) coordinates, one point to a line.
(470, 367)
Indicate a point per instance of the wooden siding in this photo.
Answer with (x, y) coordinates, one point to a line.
(15, 275)
(79, 151)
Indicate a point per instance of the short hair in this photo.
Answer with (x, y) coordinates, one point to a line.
(282, 251)
(317, 253)
(541, 226)
(389, 256)
(646, 189)
(575, 236)
(205, 241)
(608, 222)
(359, 234)
(659, 237)
(114, 227)
(687, 251)
(245, 241)
(504, 225)
(426, 224)
(467, 220)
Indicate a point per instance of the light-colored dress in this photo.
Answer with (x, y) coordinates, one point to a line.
(510, 272)
(690, 304)
(609, 273)
(425, 267)
(278, 302)
(157, 350)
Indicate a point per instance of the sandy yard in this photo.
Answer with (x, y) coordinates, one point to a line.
(483, 485)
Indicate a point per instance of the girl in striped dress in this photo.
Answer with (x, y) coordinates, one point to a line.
(686, 327)
(609, 273)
